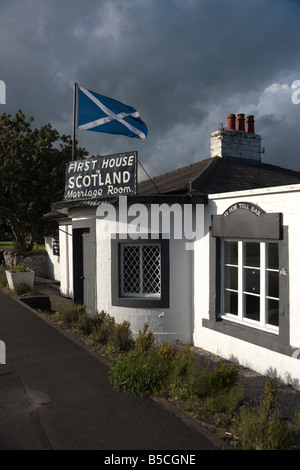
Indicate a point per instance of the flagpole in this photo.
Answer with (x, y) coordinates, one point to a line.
(74, 122)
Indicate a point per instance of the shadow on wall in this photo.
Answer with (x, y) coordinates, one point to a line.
(52, 260)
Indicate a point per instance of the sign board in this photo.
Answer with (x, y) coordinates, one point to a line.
(94, 178)
(248, 206)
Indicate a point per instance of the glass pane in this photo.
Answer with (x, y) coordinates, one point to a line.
(273, 259)
(151, 269)
(252, 254)
(252, 280)
(273, 284)
(273, 312)
(231, 253)
(231, 277)
(252, 304)
(131, 269)
(231, 302)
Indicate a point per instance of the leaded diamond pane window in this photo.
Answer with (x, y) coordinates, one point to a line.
(140, 270)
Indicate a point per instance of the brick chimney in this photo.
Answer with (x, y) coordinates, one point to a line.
(237, 141)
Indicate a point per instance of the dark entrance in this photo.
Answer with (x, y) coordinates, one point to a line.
(82, 275)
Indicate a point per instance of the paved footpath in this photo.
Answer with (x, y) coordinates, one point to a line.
(55, 394)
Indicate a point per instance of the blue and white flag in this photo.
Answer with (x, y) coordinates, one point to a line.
(101, 114)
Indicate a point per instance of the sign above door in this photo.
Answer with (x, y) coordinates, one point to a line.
(99, 177)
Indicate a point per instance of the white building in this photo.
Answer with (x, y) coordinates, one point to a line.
(230, 285)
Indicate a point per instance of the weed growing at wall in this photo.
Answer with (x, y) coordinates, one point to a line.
(261, 428)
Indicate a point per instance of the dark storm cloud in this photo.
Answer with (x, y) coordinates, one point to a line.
(182, 64)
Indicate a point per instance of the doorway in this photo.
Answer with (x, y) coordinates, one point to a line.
(83, 276)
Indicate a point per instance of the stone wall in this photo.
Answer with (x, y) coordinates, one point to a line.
(34, 260)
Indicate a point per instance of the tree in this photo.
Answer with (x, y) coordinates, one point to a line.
(32, 164)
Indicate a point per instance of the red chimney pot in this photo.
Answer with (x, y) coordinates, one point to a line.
(250, 124)
(231, 122)
(240, 122)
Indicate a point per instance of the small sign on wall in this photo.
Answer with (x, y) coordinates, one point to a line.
(247, 220)
(56, 246)
(93, 178)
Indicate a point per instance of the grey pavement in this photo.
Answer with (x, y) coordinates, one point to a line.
(55, 394)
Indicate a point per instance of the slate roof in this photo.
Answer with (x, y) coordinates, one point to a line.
(218, 175)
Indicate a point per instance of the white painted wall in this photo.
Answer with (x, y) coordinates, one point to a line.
(66, 260)
(53, 261)
(287, 201)
(168, 324)
(229, 143)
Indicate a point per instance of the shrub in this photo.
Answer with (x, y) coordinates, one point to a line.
(84, 323)
(3, 279)
(98, 319)
(120, 338)
(19, 268)
(140, 373)
(144, 340)
(70, 315)
(103, 329)
(261, 427)
(184, 375)
(224, 377)
(22, 288)
(166, 351)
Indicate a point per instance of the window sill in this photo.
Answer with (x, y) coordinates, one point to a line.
(251, 323)
(140, 302)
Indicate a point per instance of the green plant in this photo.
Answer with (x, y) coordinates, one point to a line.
(140, 373)
(103, 329)
(261, 427)
(227, 400)
(3, 279)
(70, 315)
(84, 323)
(20, 268)
(22, 288)
(120, 337)
(224, 377)
(166, 351)
(144, 340)
(98, 319)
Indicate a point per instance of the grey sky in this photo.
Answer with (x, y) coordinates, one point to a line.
(184, 64)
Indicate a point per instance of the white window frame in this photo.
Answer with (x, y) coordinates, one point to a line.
(239, 318)
(140, 294)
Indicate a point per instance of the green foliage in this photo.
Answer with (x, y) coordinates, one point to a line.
(166, 351)
(31, 175)
(120, 338)
(84, 323)
(22, 288)
(144, 340)
(3, 278)
(175, 374)
(70, 315)
(261, 427)
(103, 329)
(140, 373)
(224, 377)
(20, 268)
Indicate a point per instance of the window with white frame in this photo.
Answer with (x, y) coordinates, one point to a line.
(250, 282)
(141, 270)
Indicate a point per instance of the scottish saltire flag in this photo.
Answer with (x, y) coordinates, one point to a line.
(101, 114)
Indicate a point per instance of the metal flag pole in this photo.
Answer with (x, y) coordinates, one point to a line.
(74, 122)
